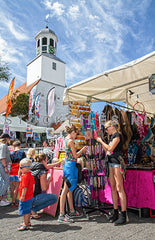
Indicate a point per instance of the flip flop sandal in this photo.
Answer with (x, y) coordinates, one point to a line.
(14, 204)
(23, 228)
(22, 224)
(35, 216)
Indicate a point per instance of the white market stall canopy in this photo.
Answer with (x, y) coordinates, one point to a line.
(62, 127)
(18, 125)
(124, 83)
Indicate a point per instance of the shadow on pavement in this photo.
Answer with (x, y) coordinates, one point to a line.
(55, 228)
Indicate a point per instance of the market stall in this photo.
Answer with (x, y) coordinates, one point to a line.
(128, 83)
(19, 129)
(17, 124)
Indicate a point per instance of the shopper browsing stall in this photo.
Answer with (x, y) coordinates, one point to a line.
(16, 156)
(70, 175)
(114, 152)
(4, 171)
(39, 171)
(31, 154)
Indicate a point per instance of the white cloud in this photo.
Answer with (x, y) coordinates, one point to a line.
(16, 31)
(12, 27)
(91, 17)
(93, 35)
(73, 12)
(96, 39)
(56, 9)
(7, 52)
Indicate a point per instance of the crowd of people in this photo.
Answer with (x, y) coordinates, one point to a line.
(28, 176)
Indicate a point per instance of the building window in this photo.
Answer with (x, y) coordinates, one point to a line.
(38, 44)
(54, 65)
(44, 41)
(51, 42)
(44, 49)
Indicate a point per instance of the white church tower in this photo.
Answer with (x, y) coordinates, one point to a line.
(50, 71)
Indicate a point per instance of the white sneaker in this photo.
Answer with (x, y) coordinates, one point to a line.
(7, 201)
(4, 203)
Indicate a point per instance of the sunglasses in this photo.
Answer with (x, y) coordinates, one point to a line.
(24, 167)
(107, 128)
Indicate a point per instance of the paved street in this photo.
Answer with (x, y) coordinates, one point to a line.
(97, 227)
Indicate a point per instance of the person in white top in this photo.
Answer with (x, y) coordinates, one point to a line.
(4, 171)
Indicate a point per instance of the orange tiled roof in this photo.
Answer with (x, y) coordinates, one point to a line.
(22, 89)
(56, 126)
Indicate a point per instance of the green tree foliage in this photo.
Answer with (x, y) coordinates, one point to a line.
(4, 72)
(20, 105)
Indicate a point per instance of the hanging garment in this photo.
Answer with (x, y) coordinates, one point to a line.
(132, 153)
(96, 121)
(109, 112)
(133, 125)
(121, 123)
(142, 127)
(126, 129)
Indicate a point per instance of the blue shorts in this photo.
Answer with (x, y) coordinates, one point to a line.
(114, 165)
(25, 207)
(14, 178)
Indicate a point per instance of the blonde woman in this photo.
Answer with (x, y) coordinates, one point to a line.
(114, 150)
(31, 154)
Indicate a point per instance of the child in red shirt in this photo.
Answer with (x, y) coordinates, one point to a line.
(26, 189)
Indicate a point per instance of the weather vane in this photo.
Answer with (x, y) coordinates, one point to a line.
(47, 17)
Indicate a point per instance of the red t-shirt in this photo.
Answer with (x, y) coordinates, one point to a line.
(27, 181)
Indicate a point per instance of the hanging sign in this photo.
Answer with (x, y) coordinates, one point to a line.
(36, 136)
(49, 133)
(29, 132)
(6, 129)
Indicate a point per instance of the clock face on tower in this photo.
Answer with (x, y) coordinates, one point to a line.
(52, 50)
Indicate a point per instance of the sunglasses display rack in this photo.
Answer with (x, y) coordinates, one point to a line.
(79, 115)
(93, 173)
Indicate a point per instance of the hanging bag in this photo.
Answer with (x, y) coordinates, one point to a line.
(78, 165)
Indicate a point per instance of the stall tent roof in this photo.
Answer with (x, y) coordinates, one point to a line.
(18, 125)
(62, 127)
(128, 83)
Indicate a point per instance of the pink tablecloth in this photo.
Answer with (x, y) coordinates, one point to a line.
(139, 187)
(54, 188)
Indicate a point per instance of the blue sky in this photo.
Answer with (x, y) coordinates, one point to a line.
(93, 35)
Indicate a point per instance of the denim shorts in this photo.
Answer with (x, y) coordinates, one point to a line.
(25, 207)
(14, 178)
(114, 165)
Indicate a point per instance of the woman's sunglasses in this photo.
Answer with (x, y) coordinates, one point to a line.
(24, 167)
(107, 128)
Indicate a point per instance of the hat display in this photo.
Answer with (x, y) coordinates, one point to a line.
(5, 135)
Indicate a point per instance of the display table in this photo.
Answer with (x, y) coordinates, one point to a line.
(139, 187)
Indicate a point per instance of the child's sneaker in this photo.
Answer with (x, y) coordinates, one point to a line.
(65, 219)
(75, 214)
(4, 203)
